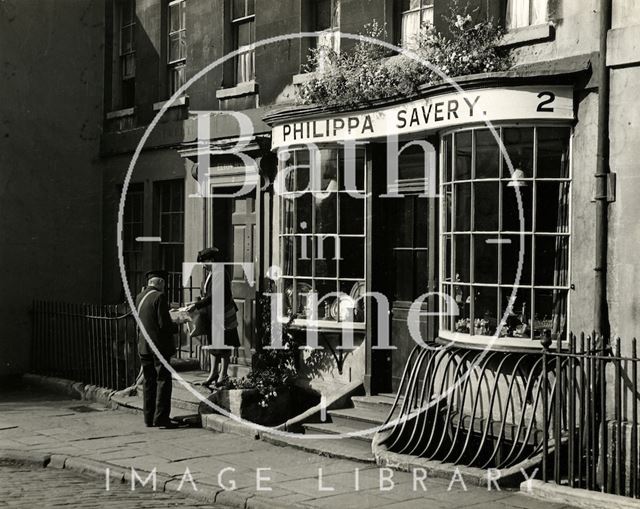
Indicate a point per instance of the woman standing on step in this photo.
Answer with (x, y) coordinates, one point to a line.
(218, 373)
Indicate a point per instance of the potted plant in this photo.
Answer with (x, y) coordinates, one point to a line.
(264, 395)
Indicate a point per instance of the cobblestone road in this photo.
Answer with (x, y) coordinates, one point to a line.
(25, 486)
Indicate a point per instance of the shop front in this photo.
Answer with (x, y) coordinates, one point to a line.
(446, 218)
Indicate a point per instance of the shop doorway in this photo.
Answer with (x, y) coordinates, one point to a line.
(404, 248)
(233, 230)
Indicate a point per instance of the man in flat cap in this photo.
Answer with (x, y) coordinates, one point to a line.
(153, 310)
(218, 373)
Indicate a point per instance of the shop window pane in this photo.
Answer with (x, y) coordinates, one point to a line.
(518, 320)
(304, 252)
(487, 206)
(486, 259)
(448, 203)
(462, 322)
(553, 152)
(287, 295)
(288, 255)
(301, 173)
(303, 208)
(462, 247)
(302, 290)
(487, 154)
(352, 170)
(447, 160)
(354, 290)
(511, 252)
(328, 302)
(326, 206)
(446, 257)
(485, 310)
(351, 214)
(165, 229)
(552, 260)
(511, 207)
(519, 145)
(463, 207)
(328, 162)
(463, 156)
(287, 214)
(325, 257)
(552, 212)
(353, 256)
(177, 78)
(550, 314)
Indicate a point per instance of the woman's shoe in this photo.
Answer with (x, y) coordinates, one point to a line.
(222, 382)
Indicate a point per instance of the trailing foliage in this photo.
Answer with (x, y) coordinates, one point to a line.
(364, 74)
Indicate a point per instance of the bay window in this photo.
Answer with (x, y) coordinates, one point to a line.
(523, 13)
(322, 236)
(505, 235)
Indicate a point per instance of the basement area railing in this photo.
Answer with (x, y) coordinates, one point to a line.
(572, 409)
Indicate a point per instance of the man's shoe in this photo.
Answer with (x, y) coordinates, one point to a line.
(167, 424)
(149, 425)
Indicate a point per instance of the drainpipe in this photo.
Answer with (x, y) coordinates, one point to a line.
(601, 319)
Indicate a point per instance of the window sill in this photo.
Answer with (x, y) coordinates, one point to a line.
(491, 343)
(180, 101)
(325, 325)
(526, 35)
(125, 112)
(247, 88)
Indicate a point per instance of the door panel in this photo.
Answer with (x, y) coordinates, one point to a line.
(243, 220)
(233, 229)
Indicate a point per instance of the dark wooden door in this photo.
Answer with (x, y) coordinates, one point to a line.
(234, 232)
(408, 275)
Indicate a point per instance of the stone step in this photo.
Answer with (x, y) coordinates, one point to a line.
(331, 428)
(380, 402)
(355, 450)
(359, 418)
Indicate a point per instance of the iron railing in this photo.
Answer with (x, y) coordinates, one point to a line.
(593, 416)
(572, 409)
(97, 344)
(93, 344)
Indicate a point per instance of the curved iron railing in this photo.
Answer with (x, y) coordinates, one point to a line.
(469, 407)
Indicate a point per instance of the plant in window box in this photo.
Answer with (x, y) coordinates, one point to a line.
(263, 396)
(349, 79)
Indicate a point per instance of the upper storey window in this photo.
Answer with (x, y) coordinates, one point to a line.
(327, 21)
(243, 20)
(127, 52)
(413, 15)
(177, 54)
(523, 13)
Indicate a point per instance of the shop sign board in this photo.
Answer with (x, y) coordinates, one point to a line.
(533, 103)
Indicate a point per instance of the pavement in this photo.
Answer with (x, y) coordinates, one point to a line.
(79, 440)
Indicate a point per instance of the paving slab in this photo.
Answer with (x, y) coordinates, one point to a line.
(92, 441)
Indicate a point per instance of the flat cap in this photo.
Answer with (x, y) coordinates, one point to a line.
(208, 253)
(162, 274)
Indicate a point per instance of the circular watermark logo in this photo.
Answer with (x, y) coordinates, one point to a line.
(277, 271)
